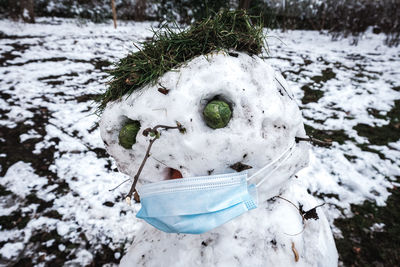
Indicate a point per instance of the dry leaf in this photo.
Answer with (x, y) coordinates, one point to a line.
(163, 91)
(238, 166)
(296, 254)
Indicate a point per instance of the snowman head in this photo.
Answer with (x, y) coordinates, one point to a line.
(237, 111)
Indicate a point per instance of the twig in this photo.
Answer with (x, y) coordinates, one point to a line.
(320, 205)
(154, 129)
(136, 178)
(159, 161)
(119, 185)
(314, 141)
(114, 12)
(283, 87)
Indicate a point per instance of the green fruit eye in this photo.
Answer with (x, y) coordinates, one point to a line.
(217, 114)
(127, 135)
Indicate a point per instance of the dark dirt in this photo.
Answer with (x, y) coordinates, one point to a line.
(362, 246)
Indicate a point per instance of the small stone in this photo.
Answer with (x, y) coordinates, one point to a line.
(217, 114)
(128, 133)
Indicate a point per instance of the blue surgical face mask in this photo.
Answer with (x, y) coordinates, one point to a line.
(199, 204)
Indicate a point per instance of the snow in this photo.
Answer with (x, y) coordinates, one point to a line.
(50, 242)
(377, 227)
(29, 135)
(26, 179)
(84, 257)
(62, 228)
(77, 184)
(15, 115)
(10, 250)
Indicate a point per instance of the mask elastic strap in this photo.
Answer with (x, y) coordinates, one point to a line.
(263, 169)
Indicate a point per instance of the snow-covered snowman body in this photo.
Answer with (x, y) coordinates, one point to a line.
(265, 121)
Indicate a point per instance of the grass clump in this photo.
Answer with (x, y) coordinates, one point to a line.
(169, 48)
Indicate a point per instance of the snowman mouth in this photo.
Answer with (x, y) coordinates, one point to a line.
(171, 173)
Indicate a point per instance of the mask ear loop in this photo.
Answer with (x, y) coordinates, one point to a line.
(263, 169)
(271, 172)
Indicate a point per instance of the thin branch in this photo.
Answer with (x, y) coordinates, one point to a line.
(111, 190)
(320, 205)
(314, 141)
(114, 13)
(136, 178)
(155, 128)
(283, 87)
(159, 161)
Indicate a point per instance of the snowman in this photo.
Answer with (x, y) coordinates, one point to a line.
(216, 144)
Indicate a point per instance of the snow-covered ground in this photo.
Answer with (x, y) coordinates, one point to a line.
(55, 176)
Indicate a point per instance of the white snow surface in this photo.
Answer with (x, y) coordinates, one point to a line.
(11, 250)
(47, 72)
(27, 181)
